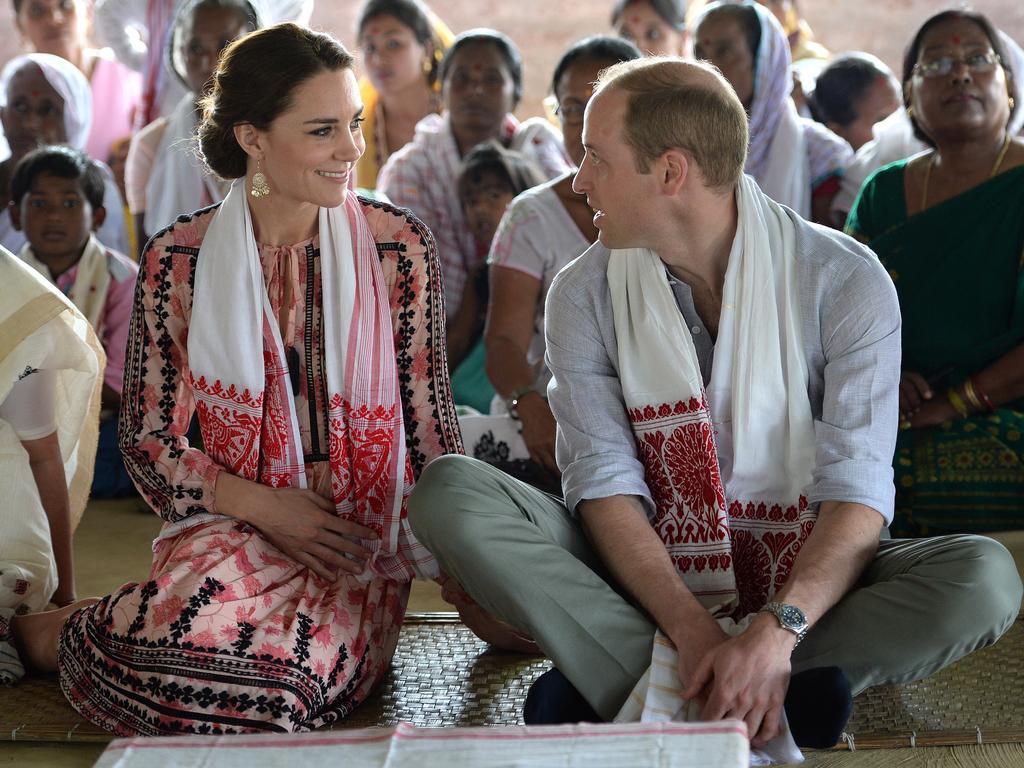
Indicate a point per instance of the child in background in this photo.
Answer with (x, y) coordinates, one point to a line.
(57, 201)
(490, 178)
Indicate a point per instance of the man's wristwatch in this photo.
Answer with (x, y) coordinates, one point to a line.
(790, 618)
(518, 394)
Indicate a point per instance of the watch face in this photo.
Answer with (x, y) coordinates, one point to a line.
(792, 616)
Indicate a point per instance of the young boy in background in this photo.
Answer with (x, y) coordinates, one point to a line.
(57, 201)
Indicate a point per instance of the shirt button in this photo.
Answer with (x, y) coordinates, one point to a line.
(695, 330)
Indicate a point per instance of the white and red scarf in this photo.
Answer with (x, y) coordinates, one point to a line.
(92, 280)
(726, 467)
(244, 397)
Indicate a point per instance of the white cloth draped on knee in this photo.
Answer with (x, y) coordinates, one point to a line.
(178, 177)
(657, 698)
(40, 330)
(239, 374)
(727, 468)
(92, 281)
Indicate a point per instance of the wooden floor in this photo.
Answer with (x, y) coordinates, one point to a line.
(112, 547)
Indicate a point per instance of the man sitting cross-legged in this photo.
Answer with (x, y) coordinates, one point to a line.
(725, 386)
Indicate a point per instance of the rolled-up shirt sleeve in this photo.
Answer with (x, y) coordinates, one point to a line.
(594, 445)
(856, 433)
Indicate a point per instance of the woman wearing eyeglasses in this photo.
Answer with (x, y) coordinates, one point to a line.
(949, 226)
(545, 228)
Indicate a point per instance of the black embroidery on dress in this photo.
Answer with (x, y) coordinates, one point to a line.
(490, 450)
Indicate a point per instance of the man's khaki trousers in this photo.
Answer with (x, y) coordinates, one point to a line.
(920, 605)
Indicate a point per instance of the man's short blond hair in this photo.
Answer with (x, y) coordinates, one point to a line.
(675, 104)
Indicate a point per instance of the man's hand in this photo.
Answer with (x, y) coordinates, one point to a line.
(699, 644)
(538, 430)
(746, 677)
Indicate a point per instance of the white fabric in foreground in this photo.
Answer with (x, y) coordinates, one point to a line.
(666, 745)
(657, 698)
(41, 331)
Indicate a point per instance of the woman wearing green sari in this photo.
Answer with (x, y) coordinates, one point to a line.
(948, 224)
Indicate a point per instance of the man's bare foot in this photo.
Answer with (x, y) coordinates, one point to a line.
(36, 634)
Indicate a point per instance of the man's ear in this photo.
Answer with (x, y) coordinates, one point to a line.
(15, 211)
(99, 215)
(249, 139)
(674, 168)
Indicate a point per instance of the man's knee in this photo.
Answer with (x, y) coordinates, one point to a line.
(997, 590)
(437, 503)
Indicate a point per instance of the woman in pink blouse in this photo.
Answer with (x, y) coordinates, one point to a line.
(304, 326)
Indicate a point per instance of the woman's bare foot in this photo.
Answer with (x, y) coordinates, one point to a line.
(36, 634)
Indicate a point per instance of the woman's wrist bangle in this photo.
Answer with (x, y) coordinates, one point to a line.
(980, 393)
(972, 396)
(957, 402)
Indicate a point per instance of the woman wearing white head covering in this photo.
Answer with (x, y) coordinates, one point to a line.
(164, 176)
(56, 94)
(894, 138)
(796, 161)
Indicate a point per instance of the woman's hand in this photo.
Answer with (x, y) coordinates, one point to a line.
(300, 522)
(914, 392)
(934, 412)
(538, 430)
(304, 525)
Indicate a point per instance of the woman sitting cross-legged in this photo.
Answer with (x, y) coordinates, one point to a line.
(490, 178)
(305, 327)
(948, 224)
(482, 80)
(544, 229)
(796, 161)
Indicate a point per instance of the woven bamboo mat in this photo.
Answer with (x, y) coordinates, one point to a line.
(443, 676)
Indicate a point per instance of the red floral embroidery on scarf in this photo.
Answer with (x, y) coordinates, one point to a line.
(757, 540)
(764, 558)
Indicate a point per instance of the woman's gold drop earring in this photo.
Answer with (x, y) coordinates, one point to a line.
(259, 187)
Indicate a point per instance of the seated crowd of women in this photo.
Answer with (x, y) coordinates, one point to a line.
(273, 374)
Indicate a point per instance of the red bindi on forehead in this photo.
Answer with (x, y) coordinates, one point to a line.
(477, 66)
(36, 94)
(374, 29)
(956, 39)
(636, 19)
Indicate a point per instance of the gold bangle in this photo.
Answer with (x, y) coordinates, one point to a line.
(972, 396)
(957, 402)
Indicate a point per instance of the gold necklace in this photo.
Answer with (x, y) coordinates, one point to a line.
(931, 164)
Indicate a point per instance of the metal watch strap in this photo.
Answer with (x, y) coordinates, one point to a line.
(778, 609)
